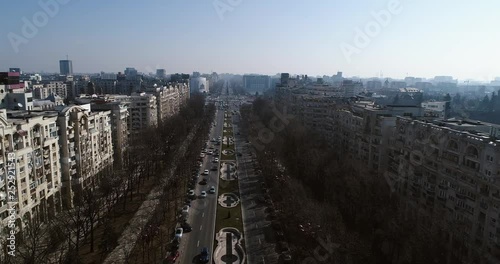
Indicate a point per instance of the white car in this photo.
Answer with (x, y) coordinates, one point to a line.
(205, 172)
(203, 194)
(202, 155)
(210, 152)
(212, 189)
(216, 160)
(178, 232)
(185, 209)
(191, 193)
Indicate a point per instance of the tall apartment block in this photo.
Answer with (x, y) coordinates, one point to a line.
(86, 149)
(448, 171)
(142, 109)
(119, 125)
(30, 141)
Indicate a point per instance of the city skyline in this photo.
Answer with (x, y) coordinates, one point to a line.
(401, 38)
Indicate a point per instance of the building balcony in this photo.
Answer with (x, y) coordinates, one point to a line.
(36, 134)
(461, 196)
(72, 172)
(442, 186)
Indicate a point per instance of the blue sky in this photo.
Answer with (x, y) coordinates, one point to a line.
(426, 38)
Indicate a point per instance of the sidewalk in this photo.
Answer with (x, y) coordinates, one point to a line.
(258, 237)
(128, 238)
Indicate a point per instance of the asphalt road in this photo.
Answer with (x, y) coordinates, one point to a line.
(202, 213)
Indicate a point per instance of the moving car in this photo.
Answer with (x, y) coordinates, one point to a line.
(212, 189)
(215, 160)
(185, 209)
(203, 194)
(191, 193)
(205, 172)
(178, 232)
(204, 255)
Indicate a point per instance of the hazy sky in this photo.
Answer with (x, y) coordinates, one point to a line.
(423, 38)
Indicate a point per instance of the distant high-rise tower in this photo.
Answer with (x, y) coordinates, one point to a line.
(66, 67)
(161, 73)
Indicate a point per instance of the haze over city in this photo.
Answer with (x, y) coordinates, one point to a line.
(424, 38)
(249, 132)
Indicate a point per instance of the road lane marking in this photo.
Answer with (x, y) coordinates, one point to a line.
(203, 215)
(201, 227)
(198, 244)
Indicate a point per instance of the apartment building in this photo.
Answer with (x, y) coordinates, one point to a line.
(107, 84)
(184, 92)
(361, 129)
(436, 109)
(15, 99)
(448, 174)
(167, 101)
(119, 125)
(142, 110)
(54, 87)
(31, 140)
(86, 149)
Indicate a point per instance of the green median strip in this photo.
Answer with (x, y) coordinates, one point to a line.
(228, 217)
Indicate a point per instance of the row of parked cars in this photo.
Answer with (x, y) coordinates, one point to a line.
(184, 226)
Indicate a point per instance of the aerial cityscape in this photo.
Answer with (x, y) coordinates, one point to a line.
(250, 132)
